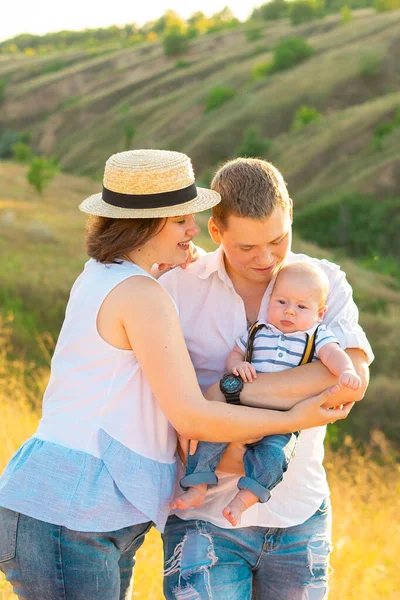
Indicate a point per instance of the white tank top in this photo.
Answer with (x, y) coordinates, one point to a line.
(94, 385)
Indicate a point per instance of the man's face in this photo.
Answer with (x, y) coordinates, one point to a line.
(254, 250)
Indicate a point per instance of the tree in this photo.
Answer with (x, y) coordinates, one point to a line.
(304, 116)
(277, 9)
(175, 43)
(291, 52)
(302, 11)
(41, 171)
(22, 153)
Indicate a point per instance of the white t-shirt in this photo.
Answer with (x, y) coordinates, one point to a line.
(213, 316)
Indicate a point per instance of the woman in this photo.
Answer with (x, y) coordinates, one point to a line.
(78, 498)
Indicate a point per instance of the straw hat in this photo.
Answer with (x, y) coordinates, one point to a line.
(149, 183)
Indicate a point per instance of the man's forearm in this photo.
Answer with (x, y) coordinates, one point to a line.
(284, 389)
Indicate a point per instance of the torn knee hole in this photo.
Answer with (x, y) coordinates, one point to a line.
(195, 553)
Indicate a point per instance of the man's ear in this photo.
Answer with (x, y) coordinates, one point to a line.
(321, 313)
(214, 231)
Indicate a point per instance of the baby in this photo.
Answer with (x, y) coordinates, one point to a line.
(295, 313)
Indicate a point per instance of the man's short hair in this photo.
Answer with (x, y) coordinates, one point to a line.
(249, 187)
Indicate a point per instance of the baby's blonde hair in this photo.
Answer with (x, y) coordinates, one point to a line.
(308, 271)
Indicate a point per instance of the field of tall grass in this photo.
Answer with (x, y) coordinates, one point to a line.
(365, 486)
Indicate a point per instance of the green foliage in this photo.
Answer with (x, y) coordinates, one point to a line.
(291, 52)
(218, 96)
(261, 70)
(130, 131)
(182, 64)
(303, 11)
(53, 67)
(253, 144)
(7, 140)
(175, 43)
(357, 223)
(41, 172)
(304, 116)
(346, 16)
(385, 5)
(3, 88)
(384, 129)
(21, 152)
(224, 19)
(271, 11)
(370, 65)
(253, 31)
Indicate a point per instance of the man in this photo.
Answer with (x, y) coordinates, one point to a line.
(281, 549)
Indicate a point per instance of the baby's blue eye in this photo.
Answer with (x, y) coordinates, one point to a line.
(281, 301)
(301, 306)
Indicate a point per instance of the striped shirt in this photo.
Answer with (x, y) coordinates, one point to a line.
(276, 351)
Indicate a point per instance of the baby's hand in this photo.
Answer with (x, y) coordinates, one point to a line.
(350, 379)
(245, 370)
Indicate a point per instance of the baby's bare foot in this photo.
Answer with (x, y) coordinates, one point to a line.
(193, 498)
(241, 502)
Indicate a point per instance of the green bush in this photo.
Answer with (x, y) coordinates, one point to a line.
(291, 52)
(385, 5)
(370, 65)
(346, 16)
(218, 96)
(261, 70)
(355, 222)
(3, 88)
(7, 140)
(41, 171)
(253, 31)
(384, 129)
(182, 64)
(130, 131)
(22, 153)
(276, 9)
(175, 43)
(304, 116)
(302, 11)
(253, 145)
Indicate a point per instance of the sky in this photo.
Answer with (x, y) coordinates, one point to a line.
(43, 16)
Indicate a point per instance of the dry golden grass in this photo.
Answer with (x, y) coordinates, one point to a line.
(365, 493)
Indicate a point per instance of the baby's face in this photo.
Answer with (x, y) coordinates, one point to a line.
(296, 303)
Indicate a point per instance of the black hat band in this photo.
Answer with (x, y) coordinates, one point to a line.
(162, 200)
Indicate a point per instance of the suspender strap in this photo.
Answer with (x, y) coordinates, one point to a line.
(250, 341)
(308, 353)
(309, 349)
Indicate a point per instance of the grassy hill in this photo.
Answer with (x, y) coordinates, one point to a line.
(80, 105)
(41, 253)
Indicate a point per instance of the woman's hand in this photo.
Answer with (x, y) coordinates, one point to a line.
(193, 254)
(314, 411)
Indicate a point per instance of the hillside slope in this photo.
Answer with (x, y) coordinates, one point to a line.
(42, 252)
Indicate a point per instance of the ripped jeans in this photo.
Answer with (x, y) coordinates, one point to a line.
(205, 562)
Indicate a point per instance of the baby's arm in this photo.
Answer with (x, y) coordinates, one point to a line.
(339, 363)
(236, 365)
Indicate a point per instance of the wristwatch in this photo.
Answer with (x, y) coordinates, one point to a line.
(231, 386)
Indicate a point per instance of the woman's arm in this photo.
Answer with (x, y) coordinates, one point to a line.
(152, 326)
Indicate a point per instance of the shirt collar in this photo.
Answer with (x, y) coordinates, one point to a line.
(274, 329)
(215, 264)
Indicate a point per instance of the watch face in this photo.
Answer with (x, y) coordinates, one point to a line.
(232, 384)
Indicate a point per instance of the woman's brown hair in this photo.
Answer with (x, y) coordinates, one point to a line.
(108, 240)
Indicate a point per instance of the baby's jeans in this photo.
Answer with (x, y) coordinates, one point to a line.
(265, 463)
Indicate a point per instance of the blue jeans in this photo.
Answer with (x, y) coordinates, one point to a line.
(265, 463)
(205, 562)
(49, 562)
